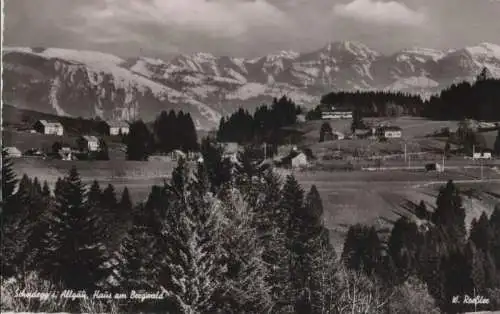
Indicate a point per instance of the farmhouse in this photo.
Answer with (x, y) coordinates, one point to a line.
(118, 127)
(390, 132)
(299, 161)
(48, 128)
(89, 142)
(295, 159)
(13, 152)
(336, 113)
(486, 154)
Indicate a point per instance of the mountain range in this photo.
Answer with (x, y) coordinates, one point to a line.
(89, 84)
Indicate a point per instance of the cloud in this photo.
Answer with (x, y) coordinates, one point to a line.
(219, 19)
(374, 11)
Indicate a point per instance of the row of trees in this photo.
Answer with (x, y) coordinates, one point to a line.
(436, 249)
(262, 126)
(170, 131)
(370, 103)
(478, 100)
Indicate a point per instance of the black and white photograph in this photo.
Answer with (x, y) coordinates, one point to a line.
(250, 156)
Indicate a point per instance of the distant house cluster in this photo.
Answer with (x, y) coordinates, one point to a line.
(336, 113)
(56, 128)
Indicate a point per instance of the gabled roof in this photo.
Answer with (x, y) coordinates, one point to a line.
(90, 138)
(12, 150)
(118, 124)
(50, 123)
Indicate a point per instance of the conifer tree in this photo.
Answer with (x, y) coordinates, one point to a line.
(216, 168)
(190, 271)
(362, 249)
(125, 209)
(288, 232)
(481, 233)
(9, 181)
(140, 142)
(10, 217)
(35, 207)
(403, 246)
(137, 269)
(495, 228)
(74, 254)
(244, 287)
(450, 214)
(317, 254)
(94, 196)
(325, 130)
(497, 143)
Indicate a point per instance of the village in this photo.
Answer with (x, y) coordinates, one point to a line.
(333, 142)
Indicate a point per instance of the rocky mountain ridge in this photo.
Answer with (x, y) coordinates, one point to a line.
(87, 83)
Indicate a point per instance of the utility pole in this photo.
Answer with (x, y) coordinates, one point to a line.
(443, 162)
(265, 151)
(405, 152)
(481, 170)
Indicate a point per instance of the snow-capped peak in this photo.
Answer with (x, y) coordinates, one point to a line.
(283, 54)
(484, 50)
(352, 47)
(77, 56)
(425, 52)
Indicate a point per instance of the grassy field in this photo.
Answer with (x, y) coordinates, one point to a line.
(415, 136)
(138, 176)
(348, 197)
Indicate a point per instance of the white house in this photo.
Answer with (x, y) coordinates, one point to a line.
(300, 160)
(48, 128)
(390, 132)
(336, 113)
(91, 142)
(483, 155)
(118, 127)
(13, 152)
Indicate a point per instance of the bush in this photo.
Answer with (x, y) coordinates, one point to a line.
(412, 297)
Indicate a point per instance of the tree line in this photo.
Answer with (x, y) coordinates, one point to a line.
(478, 100)
(370, 103)
(214, 238)
(263, 126)
(170, 131)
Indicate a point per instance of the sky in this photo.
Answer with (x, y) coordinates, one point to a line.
(247, 28)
